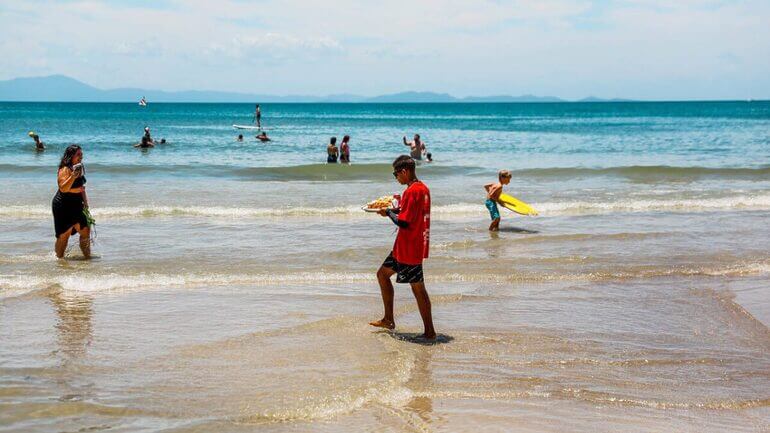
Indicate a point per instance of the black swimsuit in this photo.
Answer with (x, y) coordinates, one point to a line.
(68, 209)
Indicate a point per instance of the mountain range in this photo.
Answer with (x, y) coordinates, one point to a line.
(60, 88)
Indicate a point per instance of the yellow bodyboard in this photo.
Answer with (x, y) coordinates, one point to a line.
(516, 205)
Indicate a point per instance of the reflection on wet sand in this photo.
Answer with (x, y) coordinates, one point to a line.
(420, 382)
(73, 323)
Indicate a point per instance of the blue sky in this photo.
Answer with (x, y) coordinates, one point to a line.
(641, 49)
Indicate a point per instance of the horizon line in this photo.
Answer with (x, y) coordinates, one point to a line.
(364, 98)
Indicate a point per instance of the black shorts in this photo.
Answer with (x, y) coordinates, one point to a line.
(404, 273)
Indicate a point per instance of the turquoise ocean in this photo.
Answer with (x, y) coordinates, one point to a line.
(233, 281)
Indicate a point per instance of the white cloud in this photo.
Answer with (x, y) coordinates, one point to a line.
(632, 48)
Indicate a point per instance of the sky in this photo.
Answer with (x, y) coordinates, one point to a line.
(639, 49)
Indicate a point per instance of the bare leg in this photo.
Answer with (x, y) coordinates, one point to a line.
(423, 303)
(85, 241)
(386, 288)
(61, 243)
(495, 226)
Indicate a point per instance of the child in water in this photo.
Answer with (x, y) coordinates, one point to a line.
(493, 197)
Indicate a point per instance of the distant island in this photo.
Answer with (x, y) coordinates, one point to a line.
(60, 88)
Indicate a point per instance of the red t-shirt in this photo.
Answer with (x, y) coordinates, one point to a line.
(411, 245)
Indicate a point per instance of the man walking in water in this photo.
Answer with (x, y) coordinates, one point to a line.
(416, 147)
(258, 117)
(410, 248)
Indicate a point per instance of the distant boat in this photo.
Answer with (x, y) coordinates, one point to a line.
(143, 102)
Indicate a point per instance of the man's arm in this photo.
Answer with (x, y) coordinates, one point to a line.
(393, 215)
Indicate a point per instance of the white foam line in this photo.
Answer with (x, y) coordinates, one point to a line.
(121, 282)
(734, 203)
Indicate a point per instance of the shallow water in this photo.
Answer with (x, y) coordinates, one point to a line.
(233, 281)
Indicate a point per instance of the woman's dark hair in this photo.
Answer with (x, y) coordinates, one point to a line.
(404, 162)
(69, 153)
(345, 139)
(333, 140)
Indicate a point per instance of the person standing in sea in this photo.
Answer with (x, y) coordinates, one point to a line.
(258, 116)
(331, 151)
(410, 248)
(70, 201)
(345, 150)
(416, 147)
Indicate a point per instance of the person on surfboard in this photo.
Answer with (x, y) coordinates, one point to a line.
(493, 197)
(411, 246)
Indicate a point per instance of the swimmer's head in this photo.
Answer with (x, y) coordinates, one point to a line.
(31, 133)
(146, 129)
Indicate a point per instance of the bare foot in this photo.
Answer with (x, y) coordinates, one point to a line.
(387, 324)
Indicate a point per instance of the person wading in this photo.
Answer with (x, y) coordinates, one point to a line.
(70, 201)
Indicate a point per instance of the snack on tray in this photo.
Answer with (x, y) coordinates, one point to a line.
(383, 202)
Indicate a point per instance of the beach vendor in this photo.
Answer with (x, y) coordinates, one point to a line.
(410, 247)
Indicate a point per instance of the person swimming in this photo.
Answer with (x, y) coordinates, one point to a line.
(262, 137)
(39, 145)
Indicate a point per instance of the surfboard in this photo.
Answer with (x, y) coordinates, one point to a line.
(516, 205)
(246, 127)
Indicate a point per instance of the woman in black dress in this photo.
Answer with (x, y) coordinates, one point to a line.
(70, 201)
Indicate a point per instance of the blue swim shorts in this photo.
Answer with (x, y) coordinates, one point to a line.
(494, 213)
